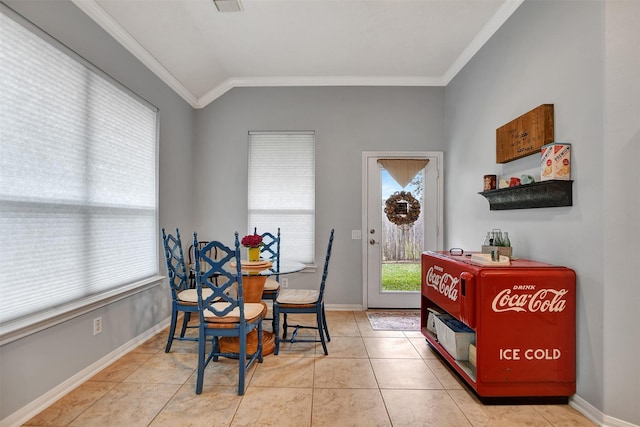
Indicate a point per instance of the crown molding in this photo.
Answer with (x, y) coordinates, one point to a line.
(290, 81)
(215, 93)
(338, 81)
(104, 20)
(496, 21)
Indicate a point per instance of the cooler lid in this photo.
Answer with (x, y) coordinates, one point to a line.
(465, 257)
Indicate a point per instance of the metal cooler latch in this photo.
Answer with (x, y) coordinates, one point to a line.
(467, 298)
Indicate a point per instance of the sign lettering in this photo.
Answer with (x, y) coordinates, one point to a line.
(543, 300)
(443, 283)
(530, 354)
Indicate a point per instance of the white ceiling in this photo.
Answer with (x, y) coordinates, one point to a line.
(202, 53)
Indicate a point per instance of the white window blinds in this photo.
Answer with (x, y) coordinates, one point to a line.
(282, 190)
(78, 196)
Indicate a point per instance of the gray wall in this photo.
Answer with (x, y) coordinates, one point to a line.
(347, 121)
(34, 365)
(622, 210)
(552, 52)
(548, 52)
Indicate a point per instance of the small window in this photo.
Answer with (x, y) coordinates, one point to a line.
(282, 190)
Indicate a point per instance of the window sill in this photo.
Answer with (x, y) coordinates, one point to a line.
(309, 269)
(20, 328)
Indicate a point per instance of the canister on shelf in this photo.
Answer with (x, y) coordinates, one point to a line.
(490, 182)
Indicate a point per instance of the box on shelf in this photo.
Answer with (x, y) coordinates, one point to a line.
(454, 336)
(502, 250)
(431, 320)
(555, 161)
(472, 355)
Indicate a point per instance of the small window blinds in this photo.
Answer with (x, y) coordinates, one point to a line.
(282, 190)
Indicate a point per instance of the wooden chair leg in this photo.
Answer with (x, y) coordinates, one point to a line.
(172, 331)
(276, 326)
(201, 363)
(321, 330)
(242, 363)
(324, 324)
(186, 317)
(260, 343)
(284, 326)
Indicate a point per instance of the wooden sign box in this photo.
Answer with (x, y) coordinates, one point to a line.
(525, 135)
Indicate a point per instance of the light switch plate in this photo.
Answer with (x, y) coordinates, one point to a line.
(356, 234)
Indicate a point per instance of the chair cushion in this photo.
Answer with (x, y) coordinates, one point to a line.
(271, 284)
(252, 310)
(298, 296)
(191, 295)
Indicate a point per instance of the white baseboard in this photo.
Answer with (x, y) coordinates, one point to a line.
(343, 307)
(329, 307)
(615, 422)
(32, 409)
(586, 409)
(589, 411)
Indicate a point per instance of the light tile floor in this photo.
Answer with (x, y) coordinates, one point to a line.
(370, 378)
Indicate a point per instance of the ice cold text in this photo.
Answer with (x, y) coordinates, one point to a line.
(530, 354)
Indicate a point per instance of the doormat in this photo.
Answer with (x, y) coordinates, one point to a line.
(394, 320)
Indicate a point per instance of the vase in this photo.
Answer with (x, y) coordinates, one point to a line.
(253, 254)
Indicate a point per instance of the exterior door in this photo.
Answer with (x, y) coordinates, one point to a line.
(392, 248)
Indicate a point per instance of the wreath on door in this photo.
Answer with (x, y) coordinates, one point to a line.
(402, 208)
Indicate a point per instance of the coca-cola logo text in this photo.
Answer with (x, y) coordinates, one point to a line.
(543, 300)
(442, 282)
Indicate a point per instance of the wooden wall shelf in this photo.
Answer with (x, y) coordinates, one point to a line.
(544, 194)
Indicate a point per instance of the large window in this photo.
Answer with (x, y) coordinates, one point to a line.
(282, 189)
(78, 185)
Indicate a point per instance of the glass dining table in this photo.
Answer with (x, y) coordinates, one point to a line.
(254, 276)
(255, 273)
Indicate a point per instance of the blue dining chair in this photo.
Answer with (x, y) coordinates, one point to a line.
(222, 312)
(307, 301)
(270, 250)
(183, 299)
(191, 257)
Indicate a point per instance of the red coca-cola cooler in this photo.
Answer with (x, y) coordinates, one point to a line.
(513, 323)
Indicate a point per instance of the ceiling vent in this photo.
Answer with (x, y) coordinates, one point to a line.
(228, 5)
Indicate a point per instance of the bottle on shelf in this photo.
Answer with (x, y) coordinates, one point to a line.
(487, 239)
(497, 238)
(505, 241)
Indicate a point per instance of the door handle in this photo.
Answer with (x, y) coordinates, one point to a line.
(372, 242)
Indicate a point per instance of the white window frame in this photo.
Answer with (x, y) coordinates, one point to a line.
(99, 207)
(281, 190)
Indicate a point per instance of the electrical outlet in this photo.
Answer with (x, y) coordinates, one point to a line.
(284, 282)
(97, 325)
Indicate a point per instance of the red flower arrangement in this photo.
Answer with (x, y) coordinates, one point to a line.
(252, 241)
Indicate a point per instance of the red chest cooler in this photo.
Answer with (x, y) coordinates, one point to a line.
(523, 316)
